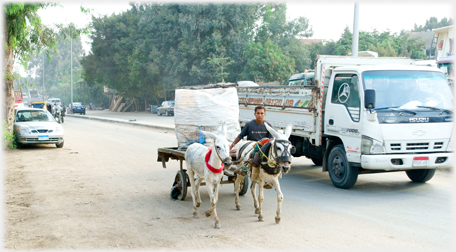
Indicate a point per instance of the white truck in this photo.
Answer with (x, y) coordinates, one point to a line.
(363, 115)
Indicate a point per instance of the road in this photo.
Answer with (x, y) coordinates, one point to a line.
(104, 190)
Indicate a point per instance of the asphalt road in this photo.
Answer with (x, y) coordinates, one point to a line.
(106, 190)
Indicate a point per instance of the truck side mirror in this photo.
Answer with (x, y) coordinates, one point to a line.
(369, 99)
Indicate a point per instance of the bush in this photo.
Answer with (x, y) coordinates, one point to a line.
(8, 137)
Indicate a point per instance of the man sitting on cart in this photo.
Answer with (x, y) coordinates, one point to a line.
(255, 130)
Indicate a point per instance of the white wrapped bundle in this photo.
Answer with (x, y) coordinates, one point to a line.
(205, 108)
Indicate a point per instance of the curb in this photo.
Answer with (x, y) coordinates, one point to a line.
(111, 120)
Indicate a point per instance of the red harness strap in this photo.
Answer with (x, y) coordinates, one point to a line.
(212, 169)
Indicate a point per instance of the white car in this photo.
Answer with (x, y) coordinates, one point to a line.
(55, 100)
(37, 126)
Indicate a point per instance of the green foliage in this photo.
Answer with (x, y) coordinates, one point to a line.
(152, 48)
(221, 63)
(267, 63)
(433, 23)
(8, 137)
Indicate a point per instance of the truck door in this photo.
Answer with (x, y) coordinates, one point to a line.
(342, 114)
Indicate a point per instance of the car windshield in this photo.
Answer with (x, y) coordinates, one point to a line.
(409, 89)
(171, 103)
(77, 104)
(38, 105)
(34, 115)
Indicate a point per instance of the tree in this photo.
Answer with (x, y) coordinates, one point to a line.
(220, 63)
(267, 63)
(433, 23)
(25, 36)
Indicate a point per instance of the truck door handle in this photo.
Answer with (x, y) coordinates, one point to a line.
(331, 121)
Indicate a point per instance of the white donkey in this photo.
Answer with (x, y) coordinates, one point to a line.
(276, 157)
(208, 164)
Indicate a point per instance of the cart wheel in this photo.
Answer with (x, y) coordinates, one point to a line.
(244, 185)
(179, 189)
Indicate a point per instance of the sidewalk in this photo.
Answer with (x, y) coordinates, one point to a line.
(142, 118)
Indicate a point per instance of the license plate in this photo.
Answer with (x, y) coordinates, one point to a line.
(46, 137)
(420, 161)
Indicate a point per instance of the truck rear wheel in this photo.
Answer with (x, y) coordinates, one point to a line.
(341, 173)
(421, 175)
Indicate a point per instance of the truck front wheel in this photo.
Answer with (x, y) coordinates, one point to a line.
(341, 173)
(421, 175)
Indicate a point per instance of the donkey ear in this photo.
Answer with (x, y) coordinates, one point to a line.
(272, 131)
(208, 134)
(288, 130)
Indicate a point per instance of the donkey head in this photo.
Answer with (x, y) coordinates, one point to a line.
(282, 147)
(221, 145)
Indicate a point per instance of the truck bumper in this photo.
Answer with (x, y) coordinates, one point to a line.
(407, 161)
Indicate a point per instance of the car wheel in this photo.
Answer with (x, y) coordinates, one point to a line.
(59, 145)
(167, 113)
(158, 113)
(341, 173)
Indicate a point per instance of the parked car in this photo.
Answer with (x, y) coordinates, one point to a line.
(79, 108)
(167, 108)
(37, 126)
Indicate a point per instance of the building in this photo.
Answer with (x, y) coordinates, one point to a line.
(444, 41)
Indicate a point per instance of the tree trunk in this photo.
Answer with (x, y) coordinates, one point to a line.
(9, 89)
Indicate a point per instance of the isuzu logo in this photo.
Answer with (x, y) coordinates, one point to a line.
(418, 133)
(419, 120)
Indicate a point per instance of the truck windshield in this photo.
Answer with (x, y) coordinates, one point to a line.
(409, 89)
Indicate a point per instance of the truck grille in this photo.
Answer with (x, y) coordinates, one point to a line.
(415, 147)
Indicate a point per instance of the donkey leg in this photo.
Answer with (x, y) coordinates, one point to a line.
(260, 199)
(255, 200)
(198, 194)
(237, 188)
(254, 178)
(194, 191)
(279, 200)
(217, 222)
(210, 190)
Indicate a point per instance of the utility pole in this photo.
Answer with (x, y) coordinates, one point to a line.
(71, 73)
(355, 31)
(44, 88)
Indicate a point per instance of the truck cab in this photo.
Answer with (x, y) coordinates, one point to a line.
(387, 118)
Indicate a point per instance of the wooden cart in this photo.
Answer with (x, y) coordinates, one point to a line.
(181, 181)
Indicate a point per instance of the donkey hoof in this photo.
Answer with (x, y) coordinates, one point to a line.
(208, 213)
(195, 215)
(238, 207)
(277, 220)
(198, 204)
(260, 218)
(217, 225)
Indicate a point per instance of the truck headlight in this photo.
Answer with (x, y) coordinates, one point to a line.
(371, 146)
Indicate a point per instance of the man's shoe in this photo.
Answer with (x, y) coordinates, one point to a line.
(267, 185)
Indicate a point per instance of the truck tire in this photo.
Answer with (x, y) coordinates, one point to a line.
(421, 175)
(317, 161)
(341, 173)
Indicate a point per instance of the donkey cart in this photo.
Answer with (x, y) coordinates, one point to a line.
(181, 181)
